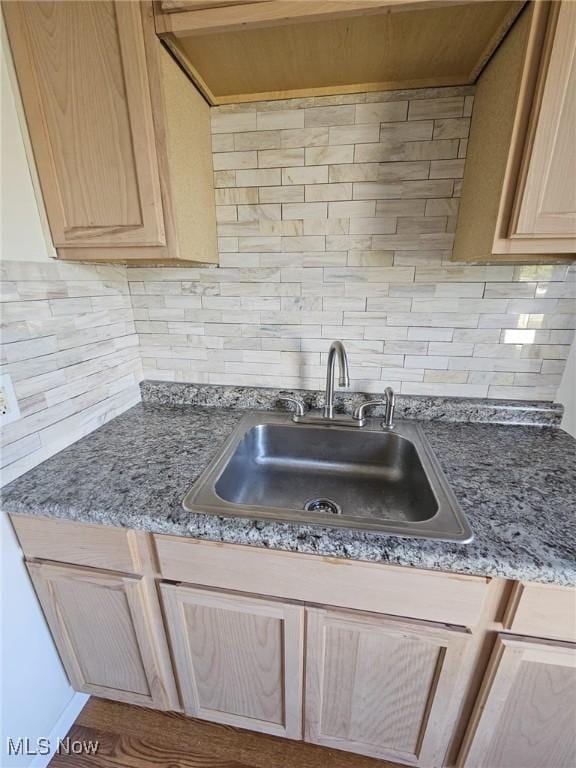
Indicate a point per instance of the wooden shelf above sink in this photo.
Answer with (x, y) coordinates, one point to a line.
(248, 51)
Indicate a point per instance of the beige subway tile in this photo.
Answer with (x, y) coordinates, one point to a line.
(406, 242)
(238, 196)
(369, 275)
(351, 304)
(258, 212)
(406, 151)
(468, 104)
(224, 179)
(328, 192)
(446, 169)
(290, 194)
(257, 140)
(226, 213)
(380, 306)
(447, 206)
(326, 226)
(348, 242)
(351, 209)
(457, 188)
(522, 393)
(436, 319)
(306, 243)
(421, 224)
(284, 119)
(426, 361)
(380, 171)
(372, 226)
(264, 177)
(224, 161)
(420, 130)
(329, 155)
(402, 190)
(260, 226)
(382, 112)
(239, 260)
(420, 257)
(370, 258)
(307, 175)
(223, 142)
(490, 377)
(278, 158)
(253, 244)
(452, 128)
(260, 289)
(304, 210)
(400, 207)
(423, 109)
(329, 116)
(446, 377)
(463, 149)
(304, 137)
(430, 334)
(230, 123)
(356, 134)
(464, 274)
(227, 244)
(493, 364)
(536, 272)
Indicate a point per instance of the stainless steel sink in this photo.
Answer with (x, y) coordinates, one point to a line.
(372, 480)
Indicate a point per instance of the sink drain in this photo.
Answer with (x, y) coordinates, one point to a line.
(323, 505)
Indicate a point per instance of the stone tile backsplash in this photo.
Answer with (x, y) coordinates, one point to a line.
(335, 219)
(69, 344)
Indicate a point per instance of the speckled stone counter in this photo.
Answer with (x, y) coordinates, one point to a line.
(516, 485)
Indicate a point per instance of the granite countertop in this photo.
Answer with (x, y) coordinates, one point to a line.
(516, 485)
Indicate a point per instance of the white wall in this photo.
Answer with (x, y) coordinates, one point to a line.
(35, 691)
(567, 392)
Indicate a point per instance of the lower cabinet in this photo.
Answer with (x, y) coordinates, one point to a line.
(99, 622)
(239, 660)
(381, 687)
(524, 715)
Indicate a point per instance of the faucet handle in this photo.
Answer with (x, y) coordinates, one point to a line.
(288, 397)
(388, 422)
(358, 414)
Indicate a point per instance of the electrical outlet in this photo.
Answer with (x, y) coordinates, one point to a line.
(9, 410)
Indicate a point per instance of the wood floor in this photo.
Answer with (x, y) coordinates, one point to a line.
(133, 737)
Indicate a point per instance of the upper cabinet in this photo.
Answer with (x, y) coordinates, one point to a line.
(276, 49)
(519, 197)
(121, 139)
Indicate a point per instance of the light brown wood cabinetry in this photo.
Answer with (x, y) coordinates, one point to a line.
(381, 687)
(518, 196)
(239, 659)
(100, 623)
(117, 160)
(524, 716)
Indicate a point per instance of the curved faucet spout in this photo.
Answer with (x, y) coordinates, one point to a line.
(336, 351)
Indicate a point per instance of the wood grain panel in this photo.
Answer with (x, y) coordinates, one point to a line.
(427, 595)
(96, 546)
(546, 195)
(428, 45)
(100, 626)
(525, 714)
(543, 610)
(380, 687)
(82, 74)
(239, 660)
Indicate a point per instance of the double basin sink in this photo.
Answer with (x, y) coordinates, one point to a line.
(386, 481)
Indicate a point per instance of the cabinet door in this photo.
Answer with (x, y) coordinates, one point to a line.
(100, 626)
(526, 710)
(546, 201)
(238, 659)
(381, 687)
(81, 67)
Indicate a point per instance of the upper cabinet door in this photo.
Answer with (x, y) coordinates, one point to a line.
(546, 201)
(381, 687)
(524, 715)
(81, 68)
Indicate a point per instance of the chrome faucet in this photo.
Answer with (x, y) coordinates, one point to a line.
(336, 351)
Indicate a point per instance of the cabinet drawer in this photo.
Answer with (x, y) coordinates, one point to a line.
(542, 610)
(96, 546)
(364, 586)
